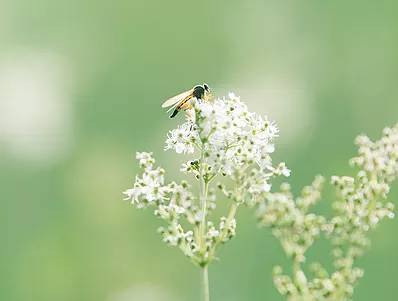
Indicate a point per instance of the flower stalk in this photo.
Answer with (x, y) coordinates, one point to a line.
(205, 283)
(203, 188)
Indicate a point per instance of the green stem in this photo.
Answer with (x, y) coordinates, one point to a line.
(205, 284)
(296, 267)
(204, 186)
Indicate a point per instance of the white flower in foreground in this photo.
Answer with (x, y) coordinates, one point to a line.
(236, 137)
(230, 142)
(182, 139)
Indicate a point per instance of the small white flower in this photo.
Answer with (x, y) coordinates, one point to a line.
(145, 159)
(182, 139)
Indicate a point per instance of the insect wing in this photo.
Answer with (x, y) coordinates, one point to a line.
(174, 100)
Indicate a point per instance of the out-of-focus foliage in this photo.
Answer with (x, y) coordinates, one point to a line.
(81, 83)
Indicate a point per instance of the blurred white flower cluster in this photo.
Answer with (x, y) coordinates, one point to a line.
(226, 141)
(360, 206)
(290, 220)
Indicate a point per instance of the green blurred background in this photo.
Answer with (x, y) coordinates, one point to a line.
(81, 83)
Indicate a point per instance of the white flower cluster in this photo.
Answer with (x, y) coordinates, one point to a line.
(289, 218)
(322, 287)
(362, 200)
(234, 136)
(379, 159)
(230, 142)
(182, 139)
(173, 202)
(150, 188)
(360, 206)
(231, 138)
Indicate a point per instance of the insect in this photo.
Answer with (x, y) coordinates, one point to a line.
(183, 101)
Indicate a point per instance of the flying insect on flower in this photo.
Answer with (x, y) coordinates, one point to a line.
(183, 101)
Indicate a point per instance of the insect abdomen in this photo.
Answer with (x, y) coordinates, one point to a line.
(175, 112)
